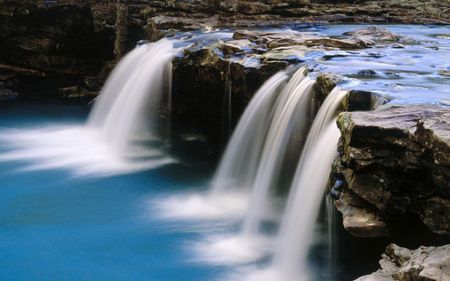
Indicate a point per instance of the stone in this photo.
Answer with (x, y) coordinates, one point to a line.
(375, 34)
(423, 264)
(326, 83)
(359, 220)
(396, 160)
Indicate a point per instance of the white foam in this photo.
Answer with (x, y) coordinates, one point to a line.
(202, 206)
(231, 250)
(75, 148)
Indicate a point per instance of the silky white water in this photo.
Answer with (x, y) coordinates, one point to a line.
(136, 85)
(238, 166)
(291, 111)
(312, 174)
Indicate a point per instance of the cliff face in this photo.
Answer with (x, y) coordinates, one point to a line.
(394, 161)
(44, 49)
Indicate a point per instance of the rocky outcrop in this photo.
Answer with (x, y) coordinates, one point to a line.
(394, 161)
(43, 49)
(401, 264)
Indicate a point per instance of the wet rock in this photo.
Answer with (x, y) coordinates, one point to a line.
(374, 34)
(362, 100)
(401, 264)
(237, 46)
(214, 81)
(359, 219)
(293, 54)
(306, 39)
(326, 83)
(396, 160)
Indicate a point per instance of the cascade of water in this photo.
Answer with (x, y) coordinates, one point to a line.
(135, 84)
(238, 165)
(294, 98)
(319, 152)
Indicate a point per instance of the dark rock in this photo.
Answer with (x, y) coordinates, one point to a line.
(43, 49)
(396, 160)
(214, 82)
(401, 264)
(326, 83)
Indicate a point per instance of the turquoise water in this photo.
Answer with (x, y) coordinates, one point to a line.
(54, 226)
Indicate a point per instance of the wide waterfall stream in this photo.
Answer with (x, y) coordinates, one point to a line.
(117, 193)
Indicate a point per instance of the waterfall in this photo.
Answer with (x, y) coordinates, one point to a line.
(294, 100)
(105, 145)
(237, 169)
(319, 152)
(136, 84)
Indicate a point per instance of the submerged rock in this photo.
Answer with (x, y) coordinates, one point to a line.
(423, 264)
(396, 161)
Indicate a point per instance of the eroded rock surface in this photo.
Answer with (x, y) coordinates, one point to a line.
(423, 264)
(394, 161)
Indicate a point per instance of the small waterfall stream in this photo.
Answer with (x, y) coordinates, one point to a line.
(238, 166)
(136, 84)
(319, 152)
(294, 100)
(110, 142)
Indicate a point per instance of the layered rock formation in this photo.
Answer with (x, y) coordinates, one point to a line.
(45, 49)
(214, 13)
(394, 161)
(401, 264)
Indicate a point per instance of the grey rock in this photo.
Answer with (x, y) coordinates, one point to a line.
(396, 160)
(423, 264)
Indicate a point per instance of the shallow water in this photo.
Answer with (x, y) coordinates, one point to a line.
(411, 74)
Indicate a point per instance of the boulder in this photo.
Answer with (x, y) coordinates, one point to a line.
(423, 264)
(396, 161)
(375, 34)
